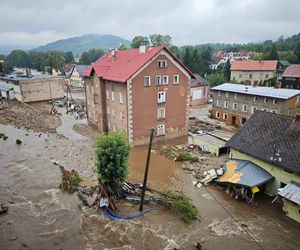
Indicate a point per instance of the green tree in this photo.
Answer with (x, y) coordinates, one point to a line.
(176, 51)
(297, 51)
(55, 59)
(69, 58)
(112, 153)
(37, 59)
(122, 47)
(91, 56)
(216, 79)
(18, 58)
(226, 70)
(205, 57)
(187, 56)
(273, 55)
(139, 40)
(158, 39)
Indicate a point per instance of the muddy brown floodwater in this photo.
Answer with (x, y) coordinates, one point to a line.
(40, 216)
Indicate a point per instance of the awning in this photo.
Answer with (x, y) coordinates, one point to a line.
(291, 192)
(244, 173)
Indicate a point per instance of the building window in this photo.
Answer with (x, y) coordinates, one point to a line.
(255, 98)
(245, 108)
(219, 93)
(158, 80)
(108, 125)
(267, 75)
(147, 81)
(122, 116)
(265, 100)
(107, 109)
(275, 102)
(121, 97)
(161, 97)
(226, 104)
(225, 116)
(250, 76)
(274, 111)
(290, 112)
(113, 112)
(264, 109)
(165, 80)
(219, 103)
(162, 63)
(235, 96)
(113, 95)
(114, 127)
(240, 75)
(218, 114)
(254, 109)
(160, 130)
(161, 113)
(176, 79)
(227, 94)
(107, 94)
(235, 106)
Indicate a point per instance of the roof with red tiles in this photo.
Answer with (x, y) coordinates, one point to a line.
(292, 71)
(120, 65)
(262, 65)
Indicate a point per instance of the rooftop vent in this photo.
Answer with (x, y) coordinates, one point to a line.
(143, 49)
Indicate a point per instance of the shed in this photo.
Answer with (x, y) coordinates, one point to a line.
(6, 91)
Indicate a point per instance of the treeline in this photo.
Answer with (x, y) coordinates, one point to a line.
(39, 60)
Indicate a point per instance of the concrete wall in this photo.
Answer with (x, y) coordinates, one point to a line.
(144, 103)
(291, 209)
(281, 176)
(257, 76)
(33, 90)
(203, 99)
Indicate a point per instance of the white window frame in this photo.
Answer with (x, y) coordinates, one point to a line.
(243, 109)
(254, 108)
(107, 94)
(266, 100)
(121, 98)
(161, 116)
(219, 93)
(233, 106)
(161, 129)
(227, 94)
(157, 82)
(275, 101)
(264, 109)
(165, 77)
(114, 127)
(107, 110)
(219, 103)
(255, 98)
(113, 95)
(225, 116)
(108, 125)
(122, 116)
(175, 79)
(161, 99)
(113, 112)
(218, 114)
(149, 79)
(235, 96)
(226, 104)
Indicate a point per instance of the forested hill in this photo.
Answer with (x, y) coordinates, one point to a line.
(84, 43)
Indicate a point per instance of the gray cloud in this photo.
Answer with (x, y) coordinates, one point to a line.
(36, 22)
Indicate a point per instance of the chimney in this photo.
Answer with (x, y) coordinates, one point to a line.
(113, 54)
(28, 73)
(143, 49)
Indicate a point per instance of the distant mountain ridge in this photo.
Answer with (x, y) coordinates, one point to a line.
(83, 43)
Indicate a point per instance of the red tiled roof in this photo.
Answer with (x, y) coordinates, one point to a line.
(292, 71)
(268, 65)
(125, 64)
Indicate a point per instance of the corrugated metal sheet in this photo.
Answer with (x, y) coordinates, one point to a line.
(244, 173)
(291, 192)
(5, 87)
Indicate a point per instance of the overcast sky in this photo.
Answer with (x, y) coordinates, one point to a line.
(36, 22)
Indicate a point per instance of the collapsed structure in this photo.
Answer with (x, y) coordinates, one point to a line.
(136, 90)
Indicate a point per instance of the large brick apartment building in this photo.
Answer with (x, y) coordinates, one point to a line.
(136, 90)
(234, 103)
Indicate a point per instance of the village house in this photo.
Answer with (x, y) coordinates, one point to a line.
(35, 88)
(272, 142)
(136, 90)
(199, 91)
(216, 61)
(291, 77)
(76, 75)
(253, 72)
(235, 103)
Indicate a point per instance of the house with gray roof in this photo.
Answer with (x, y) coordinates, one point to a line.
(235, 103)
(272, 142)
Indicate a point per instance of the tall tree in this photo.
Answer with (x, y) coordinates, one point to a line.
(18, 58)
(187, 56)
(37, 59)
(158, 39)
(69, 58)
(226, 70)
(55, 59)
(273, 55)
(297, 51)
(91, 56)
(122, 47)
(139, 40)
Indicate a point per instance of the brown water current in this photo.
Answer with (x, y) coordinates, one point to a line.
(40, 216)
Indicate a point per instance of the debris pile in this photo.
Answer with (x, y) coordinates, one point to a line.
(196, 125)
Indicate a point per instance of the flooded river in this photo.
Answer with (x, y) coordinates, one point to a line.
(40, 216)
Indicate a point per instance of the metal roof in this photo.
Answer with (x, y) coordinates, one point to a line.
(259, 91)
(18, 78)
(225, 136)
(210, 139)
(291, 192)
(244, 173)
(5, 87)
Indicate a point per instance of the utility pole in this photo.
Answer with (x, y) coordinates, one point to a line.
(146, 170)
